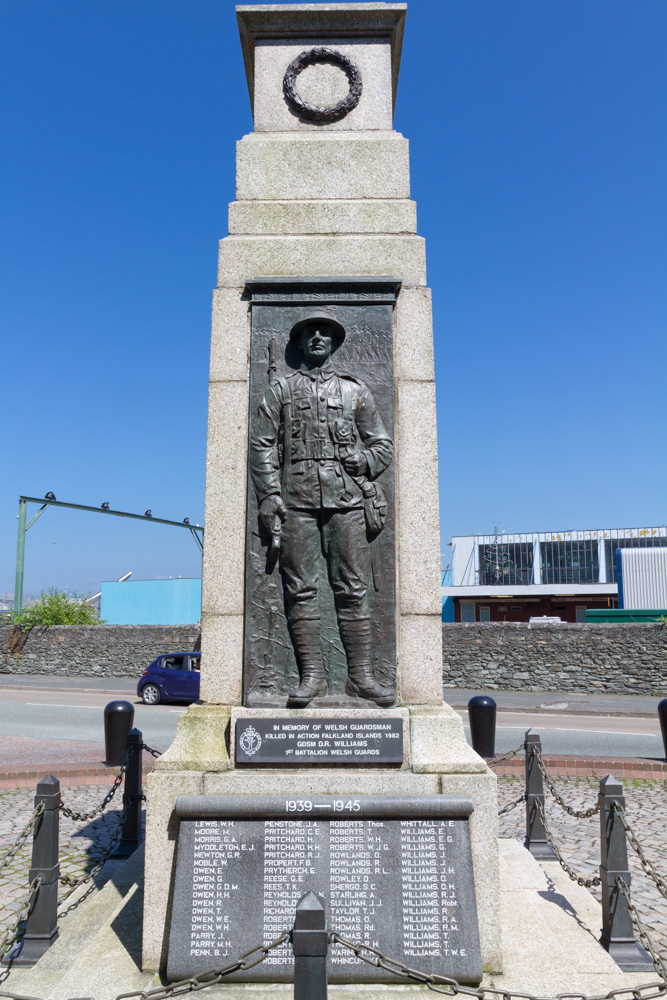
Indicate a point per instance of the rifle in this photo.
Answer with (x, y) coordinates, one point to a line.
(274, 547)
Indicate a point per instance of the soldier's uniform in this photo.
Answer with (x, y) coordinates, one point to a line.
(306, 423)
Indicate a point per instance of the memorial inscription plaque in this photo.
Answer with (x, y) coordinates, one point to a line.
(395, 873)
(307, 741)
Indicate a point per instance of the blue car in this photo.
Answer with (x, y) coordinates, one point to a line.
(171, 677)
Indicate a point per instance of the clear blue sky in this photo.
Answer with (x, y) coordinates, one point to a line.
(538, 147)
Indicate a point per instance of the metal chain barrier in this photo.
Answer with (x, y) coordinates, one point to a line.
(11, 933)
(101, 861)
(118, 781)
(577, 813)
(209, 978)
(642, 932)
(655, 876)
(23, 836)
(155, 753)
(450, 987)
(588, 883)
(505, 756)
(512, 805)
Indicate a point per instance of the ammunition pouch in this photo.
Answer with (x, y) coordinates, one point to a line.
(375, 507)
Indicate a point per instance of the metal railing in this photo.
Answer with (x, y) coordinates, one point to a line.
(619, 917)
(310, 939)
(34, 926)
(309, 936)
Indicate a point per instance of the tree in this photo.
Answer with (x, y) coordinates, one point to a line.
(56, 607)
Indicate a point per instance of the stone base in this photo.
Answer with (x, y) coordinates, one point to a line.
(437, 761)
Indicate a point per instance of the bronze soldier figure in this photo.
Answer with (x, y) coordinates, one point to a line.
(316, 445)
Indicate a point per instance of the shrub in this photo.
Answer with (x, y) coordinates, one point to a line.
(56, 607)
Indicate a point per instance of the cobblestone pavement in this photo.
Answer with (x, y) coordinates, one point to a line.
(81, 843)
(579, 839)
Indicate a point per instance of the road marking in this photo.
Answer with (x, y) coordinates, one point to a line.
(604, 732)
(568, 729)
(45, 704)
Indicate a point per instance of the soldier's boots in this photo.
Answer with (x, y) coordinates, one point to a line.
(361, 682)
(308, 649)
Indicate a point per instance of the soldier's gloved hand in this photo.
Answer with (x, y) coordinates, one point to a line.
(355, 463)
(269, 507)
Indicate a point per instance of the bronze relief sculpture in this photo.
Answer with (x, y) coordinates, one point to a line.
(320, 606)
(317, 444)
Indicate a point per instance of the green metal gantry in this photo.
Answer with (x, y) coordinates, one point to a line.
(195, 530)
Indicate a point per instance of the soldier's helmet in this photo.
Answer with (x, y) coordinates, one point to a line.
(321, 316)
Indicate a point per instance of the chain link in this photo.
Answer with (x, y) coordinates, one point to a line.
(577, 813)
(655, 876)
(23, 836)
(211, 977)
(588, 883)
(101, 861)
(450, 987)
(11, 933)
(642, 932)
(493, 762)
(118, 780)
(512, 805)
(83, 817)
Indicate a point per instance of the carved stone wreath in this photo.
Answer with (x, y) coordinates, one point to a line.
(335, 111)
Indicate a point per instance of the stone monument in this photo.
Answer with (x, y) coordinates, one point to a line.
(321, 674)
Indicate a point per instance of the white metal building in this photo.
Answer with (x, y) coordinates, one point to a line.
(513, 577)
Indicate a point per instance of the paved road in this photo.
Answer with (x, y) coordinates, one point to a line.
(78, 716)
(589, 735)
(581, 742)
(56, 709)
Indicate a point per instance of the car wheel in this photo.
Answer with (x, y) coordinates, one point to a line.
(150, 694)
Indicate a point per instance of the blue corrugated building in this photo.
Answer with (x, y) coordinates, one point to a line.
(151, 602)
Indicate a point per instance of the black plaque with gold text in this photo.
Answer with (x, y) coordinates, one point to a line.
(307, 741)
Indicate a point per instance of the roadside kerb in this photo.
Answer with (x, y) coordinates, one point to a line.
(573, 766)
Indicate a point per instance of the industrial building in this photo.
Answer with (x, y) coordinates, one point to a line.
(516, 577)
(151, 602)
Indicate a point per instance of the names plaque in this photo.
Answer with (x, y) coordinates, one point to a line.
(395, 873)
(307, 741)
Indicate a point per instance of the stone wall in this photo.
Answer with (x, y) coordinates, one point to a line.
(623, 658)
(512, 656)
(91, 650)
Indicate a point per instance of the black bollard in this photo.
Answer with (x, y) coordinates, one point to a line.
(309, 943)
(118, 720)
(482, 719)
(662, 715)
(536, 837)
(617, 931)
(42, 924)
(132, 798)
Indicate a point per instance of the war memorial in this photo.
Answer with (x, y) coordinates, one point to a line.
(321, 757)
